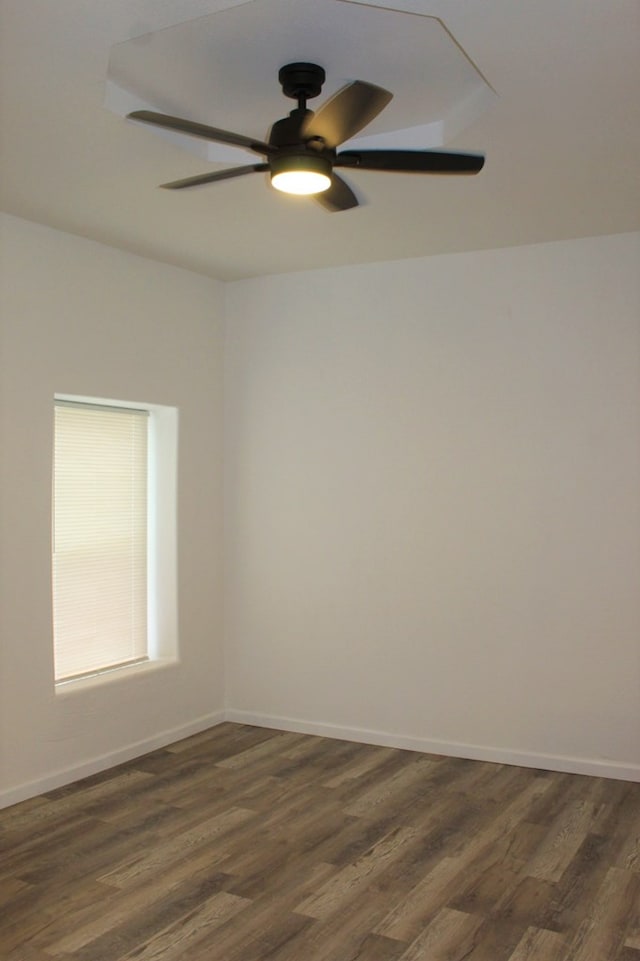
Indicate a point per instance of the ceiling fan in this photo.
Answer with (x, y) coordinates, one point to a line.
(301, 155)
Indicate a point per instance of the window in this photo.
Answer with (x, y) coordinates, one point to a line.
(108, 547)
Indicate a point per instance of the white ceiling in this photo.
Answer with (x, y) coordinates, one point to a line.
(555, 109)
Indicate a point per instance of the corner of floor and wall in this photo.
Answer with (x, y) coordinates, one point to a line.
(409, 501)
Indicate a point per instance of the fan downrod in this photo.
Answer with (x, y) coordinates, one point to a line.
(301, 81)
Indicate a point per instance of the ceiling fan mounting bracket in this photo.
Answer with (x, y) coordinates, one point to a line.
(301, 80)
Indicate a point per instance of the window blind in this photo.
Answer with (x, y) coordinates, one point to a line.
(99, 538)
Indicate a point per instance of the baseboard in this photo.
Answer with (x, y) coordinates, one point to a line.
(593, 767)
(95, 765)
(550, 762)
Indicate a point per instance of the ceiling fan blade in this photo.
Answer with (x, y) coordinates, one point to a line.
(412, 161)
(338, 197)
(347, 112)
(200, 179)
(200, 130)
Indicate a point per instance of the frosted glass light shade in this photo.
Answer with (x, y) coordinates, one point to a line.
(301, 175)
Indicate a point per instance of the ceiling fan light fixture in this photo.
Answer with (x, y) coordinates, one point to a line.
(302, 175)
(301, 151)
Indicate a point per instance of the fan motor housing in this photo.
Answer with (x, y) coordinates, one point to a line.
(286, 132)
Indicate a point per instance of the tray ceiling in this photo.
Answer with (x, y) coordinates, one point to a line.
(547, 89)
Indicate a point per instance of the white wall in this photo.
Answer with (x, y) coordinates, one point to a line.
(81, 318)
(433, 503)
(432, 500)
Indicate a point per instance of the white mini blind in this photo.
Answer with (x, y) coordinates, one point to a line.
(99, 538)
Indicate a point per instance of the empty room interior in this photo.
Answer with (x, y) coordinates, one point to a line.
(383, 700)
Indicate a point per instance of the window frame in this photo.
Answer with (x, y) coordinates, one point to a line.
(162, 620)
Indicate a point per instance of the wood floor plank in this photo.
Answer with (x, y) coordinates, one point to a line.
(20, 814)
(339, 890)
(448, 878)
(540, 945)
(9, 887)
(188, 882)
(274, 745)
(124, 931)
(254, 941)
(365, 762)
(578, 887)
(85, 845)
(321, 753)
(628, 857)
(271, 915)
(31, 913)
(357, 837)
(116, 906)
(602, 933)
(632, 939)
(85, 798)
(203, 786)
(614, 804)
(352, 789)
(178, 847)
(21, 852)
(496, 882)
(407, 919)
(406, 781)
(26, 953)
(231, 737)
(179, 940)
(264, 864)
(346, 935)
(560, 846)
(449, 937)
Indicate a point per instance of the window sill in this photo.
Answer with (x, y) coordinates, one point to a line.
(118, 674)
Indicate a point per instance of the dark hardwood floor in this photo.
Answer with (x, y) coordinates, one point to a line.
(243, 844)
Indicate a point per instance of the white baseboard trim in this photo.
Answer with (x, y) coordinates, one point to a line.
(95, 765)
(594, 767)
(550, 762)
